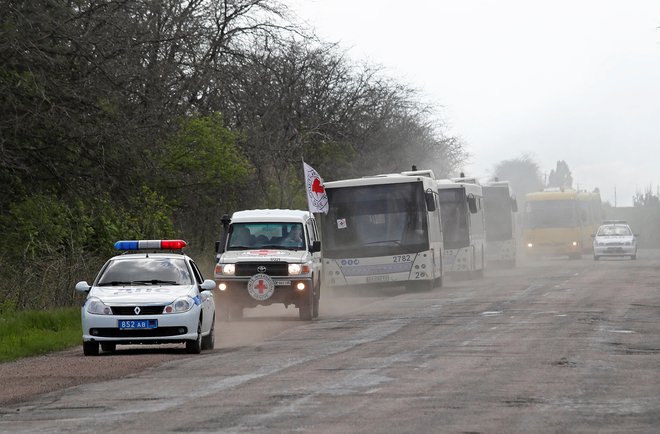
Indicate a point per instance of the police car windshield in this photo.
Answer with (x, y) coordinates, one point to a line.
(146, 271)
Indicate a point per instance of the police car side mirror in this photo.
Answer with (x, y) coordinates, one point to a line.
(315, 247)
(218, 247)
(83, 286)
(208, 285)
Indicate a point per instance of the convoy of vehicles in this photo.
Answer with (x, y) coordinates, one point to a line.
(269, 256)
(560, 222)
(403, 229)
(614, 238)
(383, 230)
(501, 235)
(462, 209)
(148, 298)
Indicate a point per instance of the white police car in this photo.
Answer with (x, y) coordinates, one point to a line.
(148, 298)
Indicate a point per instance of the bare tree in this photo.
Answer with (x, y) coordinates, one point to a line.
(298, 99)
(523, 174)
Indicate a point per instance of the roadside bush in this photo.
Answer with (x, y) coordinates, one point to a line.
(50, 245)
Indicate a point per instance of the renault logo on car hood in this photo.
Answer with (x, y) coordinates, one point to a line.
(137, 310)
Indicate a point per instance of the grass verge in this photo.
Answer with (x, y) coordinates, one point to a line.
(30, 333)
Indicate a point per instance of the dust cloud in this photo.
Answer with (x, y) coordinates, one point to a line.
(262, 322)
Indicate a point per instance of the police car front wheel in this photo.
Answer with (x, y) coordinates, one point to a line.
(208, 341)
(194, 346)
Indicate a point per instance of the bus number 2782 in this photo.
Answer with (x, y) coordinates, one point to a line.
(401, 258)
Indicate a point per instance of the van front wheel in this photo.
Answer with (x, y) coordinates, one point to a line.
(306, 307)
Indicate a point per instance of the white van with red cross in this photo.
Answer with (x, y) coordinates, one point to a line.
(268, 256)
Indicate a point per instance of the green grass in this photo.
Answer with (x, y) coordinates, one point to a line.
(30, 333)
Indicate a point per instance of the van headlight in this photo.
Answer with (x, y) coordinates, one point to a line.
(226, 269)
(298, 269)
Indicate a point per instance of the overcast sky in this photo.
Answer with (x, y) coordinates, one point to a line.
(572, 80)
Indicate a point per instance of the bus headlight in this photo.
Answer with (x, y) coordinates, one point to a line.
(530, 245)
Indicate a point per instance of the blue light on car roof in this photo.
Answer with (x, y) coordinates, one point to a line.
(150, 244)
(126, 245)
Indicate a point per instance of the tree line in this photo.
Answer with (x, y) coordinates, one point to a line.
(128, 119)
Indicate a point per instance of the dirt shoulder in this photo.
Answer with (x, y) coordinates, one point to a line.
(27, 378)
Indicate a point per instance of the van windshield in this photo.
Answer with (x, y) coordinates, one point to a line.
(271, 235)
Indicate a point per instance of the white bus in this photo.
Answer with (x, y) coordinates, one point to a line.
(383, 230)
(501, 231)
(463, 226)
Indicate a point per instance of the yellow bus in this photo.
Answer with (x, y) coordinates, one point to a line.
(560, 222)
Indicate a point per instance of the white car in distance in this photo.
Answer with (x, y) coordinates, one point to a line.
(615, 239)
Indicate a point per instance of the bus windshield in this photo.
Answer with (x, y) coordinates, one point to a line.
(551, 214)
(454, 212)
(499, 217)
(375, 220)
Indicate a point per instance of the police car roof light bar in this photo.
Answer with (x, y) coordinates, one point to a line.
(150, 244)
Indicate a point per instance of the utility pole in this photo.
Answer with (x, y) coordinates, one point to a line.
(615, 196)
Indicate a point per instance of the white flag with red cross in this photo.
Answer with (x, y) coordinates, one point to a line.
(316, 195)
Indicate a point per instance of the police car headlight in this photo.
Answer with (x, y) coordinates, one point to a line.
(97, 307)
(180, 305)
(297, 269)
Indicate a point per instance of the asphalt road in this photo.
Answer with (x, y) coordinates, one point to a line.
(551, 346)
